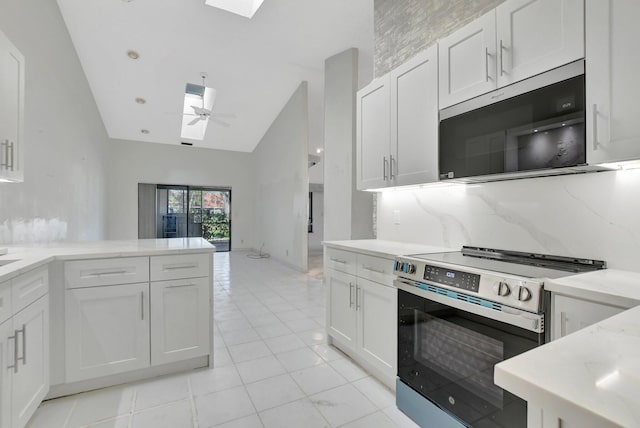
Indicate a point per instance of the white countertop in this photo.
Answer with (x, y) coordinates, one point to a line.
(382, 248)
(594, 373)
(608, 286)
(28, 257)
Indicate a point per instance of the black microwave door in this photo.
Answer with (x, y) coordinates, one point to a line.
(538, 130)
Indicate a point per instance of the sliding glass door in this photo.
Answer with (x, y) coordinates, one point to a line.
(187, 211)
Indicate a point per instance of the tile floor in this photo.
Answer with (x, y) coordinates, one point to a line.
(273, 367)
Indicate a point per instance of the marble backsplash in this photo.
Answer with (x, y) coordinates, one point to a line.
(595, 215)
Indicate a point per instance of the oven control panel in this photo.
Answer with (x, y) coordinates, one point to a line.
(454, 278)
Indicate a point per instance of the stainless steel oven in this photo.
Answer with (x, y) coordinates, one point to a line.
(457, 321)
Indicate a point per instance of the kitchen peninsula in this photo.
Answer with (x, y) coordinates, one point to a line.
(85, 315)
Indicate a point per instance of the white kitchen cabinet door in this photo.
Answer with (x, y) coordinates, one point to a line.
(11, 111)
(571, 314)
(535, 36)
(179, 320)
(107, 330)
(377, 320)
(6, 373)
(372, 134)
(31, 381)
(468, 61)
(341, 307)
(612, 70)
(414, 120)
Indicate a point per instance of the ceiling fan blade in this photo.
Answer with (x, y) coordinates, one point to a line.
(194, 121)
(219, 122)
(224, 115)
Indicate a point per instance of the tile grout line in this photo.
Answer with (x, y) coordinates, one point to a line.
(192, 401)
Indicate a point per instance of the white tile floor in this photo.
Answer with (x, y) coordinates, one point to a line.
(273, 368)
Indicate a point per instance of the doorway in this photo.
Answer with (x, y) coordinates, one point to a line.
(187, 211)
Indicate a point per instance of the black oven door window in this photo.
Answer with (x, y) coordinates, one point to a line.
(448, 355)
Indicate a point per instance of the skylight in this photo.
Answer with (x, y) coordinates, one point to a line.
(194, 97)
(246, 8)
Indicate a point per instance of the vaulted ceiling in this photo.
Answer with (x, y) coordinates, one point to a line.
(254, 64)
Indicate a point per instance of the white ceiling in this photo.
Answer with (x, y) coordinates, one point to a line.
(254, 64)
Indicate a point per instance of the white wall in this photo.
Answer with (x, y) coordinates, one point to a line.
(589, 215)
(63, 196)
(348, 213)
(282, 184)
(132, 162)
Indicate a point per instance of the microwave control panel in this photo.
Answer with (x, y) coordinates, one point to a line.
(454, 278)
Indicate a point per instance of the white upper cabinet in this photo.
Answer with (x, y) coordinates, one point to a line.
(11, 111)
(612, 69)
(517, 40)
(373, 134)
(397, 125)
(537, 35)
(468, 61)
(413, 157)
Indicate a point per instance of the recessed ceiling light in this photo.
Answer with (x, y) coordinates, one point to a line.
(145, 131)
(246, 8)
(141, 100)
(133, 54)
(535, 130)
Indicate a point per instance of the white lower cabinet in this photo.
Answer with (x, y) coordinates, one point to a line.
(341, 316)
(571, 314)
(107, 330)
(361, 316)
(179, 320)
(6, 373)
(31, 378)
(377, 332)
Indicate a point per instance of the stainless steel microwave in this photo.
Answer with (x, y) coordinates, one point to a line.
(530, 128)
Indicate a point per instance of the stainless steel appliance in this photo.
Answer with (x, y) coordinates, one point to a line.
(459, 314)
(530, 128)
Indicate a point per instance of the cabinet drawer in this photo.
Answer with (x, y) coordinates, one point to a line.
(376, 269)
(343, 261)
(99, 272)
(5, 302)
(29, 287)
(180, 266)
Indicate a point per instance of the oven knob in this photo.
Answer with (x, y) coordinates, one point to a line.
(411, 268)
(524, 294)
(501, 288)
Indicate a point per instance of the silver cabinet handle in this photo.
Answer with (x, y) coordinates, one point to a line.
(10, 146)
(181, 286)
(175, 267)
(391, 176)
(486, 64)
(4, 163)
(595, 127)
(111, 272)
(24, 345)
(14, 366)
(372, 269)
(563, 324)
(142, 305)
(351, 295)
(501, 56)
(333, 259)
(357, 298)
(384, 168)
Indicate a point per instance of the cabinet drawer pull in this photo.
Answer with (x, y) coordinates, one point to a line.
(4, 163)
(142, 305)
(180, 286)
(175, 267)
(357, 298)
(14, 366)
(24, 345)
(391, 176)
(11, 165)
(384, 168)
(372, 269)
(333, 259)
(110, 272)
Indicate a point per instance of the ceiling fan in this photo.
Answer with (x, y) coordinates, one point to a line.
(203, 114)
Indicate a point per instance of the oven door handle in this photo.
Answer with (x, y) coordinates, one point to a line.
(506, 314)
